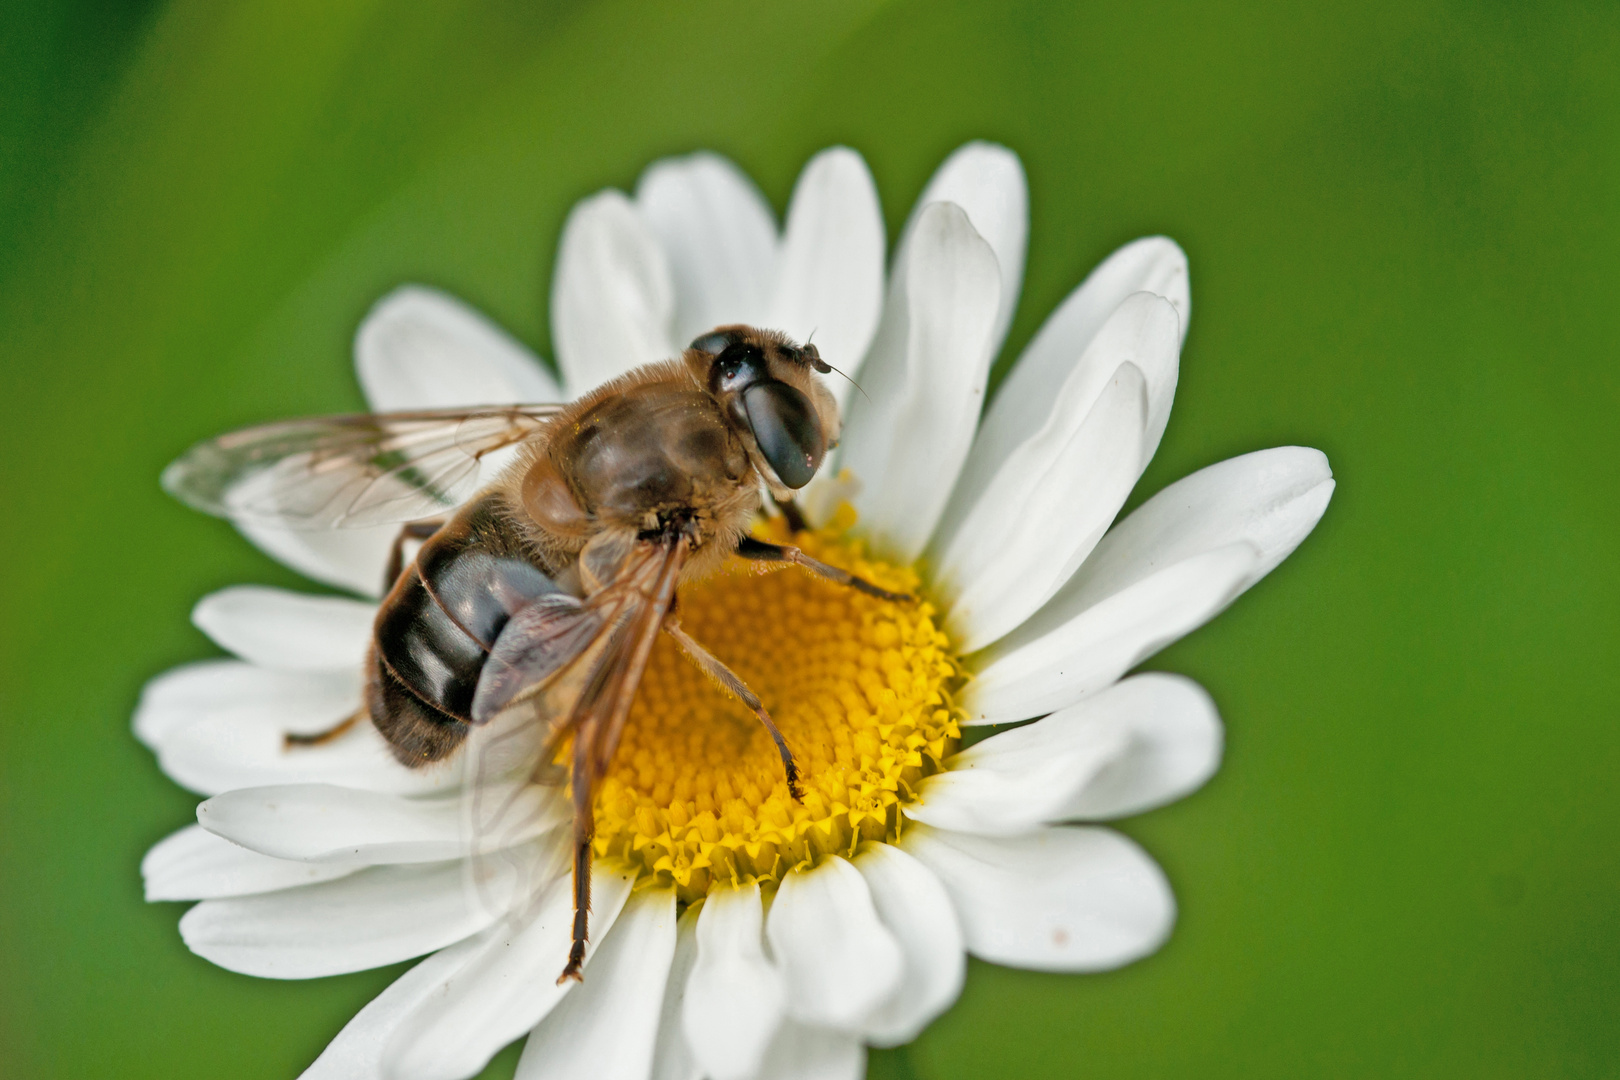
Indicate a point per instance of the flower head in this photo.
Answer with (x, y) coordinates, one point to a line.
(736, 931)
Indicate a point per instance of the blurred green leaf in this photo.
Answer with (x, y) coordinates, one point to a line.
(1404, 227)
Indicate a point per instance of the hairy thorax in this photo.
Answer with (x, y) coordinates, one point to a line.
(627, 457)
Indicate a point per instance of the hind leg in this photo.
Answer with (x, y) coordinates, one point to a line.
(584, 832)
(291, 739)
(411, 530)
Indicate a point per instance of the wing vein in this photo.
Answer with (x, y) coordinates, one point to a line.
(350, 471)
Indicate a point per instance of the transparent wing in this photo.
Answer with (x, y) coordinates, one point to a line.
(561, 669)
(349, 471)
(563, 648)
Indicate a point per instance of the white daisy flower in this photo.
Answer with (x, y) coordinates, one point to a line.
(737, 933)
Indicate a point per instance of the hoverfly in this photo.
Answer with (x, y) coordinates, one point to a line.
(548, 586)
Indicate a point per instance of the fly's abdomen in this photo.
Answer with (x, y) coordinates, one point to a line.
(435, 629)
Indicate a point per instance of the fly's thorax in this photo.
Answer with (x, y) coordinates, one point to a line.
(650, 443)
(632, 454)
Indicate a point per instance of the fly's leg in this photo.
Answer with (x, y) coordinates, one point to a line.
(760, 551)
(411, 530)
(599, 717)
(291, 739)
(792, 514)
(584, 831)
(708, 664)
(546, 769)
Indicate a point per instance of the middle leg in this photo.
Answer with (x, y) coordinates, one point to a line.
(711, 666)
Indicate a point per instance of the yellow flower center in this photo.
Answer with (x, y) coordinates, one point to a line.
(858, 686)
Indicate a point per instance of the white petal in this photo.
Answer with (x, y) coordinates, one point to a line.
(987, 181)
(1175, 746)
(604, 1029)
(915, 907)
(611, 296)
(1271, 499)
(801, 1052)
(356, 1053)
(1061, 899)
(1140, 331)
(326, 823)
(191, 692)
(419, 348)
(719, 236)
(352, 559)
(223, 724)
(1044, 513)
(1021, 783)
(1139, 744)
(1022, 403)
(377, 916)
(219, 754)
(279, 629)
(194, 864)
(672, 1058)
(1161, 573)
(504, 990)
(924, 381)
(838, 960)
(829, 281)
(1024, 677)
(734, 996)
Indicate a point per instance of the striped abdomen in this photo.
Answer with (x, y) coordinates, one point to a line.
(436, 626)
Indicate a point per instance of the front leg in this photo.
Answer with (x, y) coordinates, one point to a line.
(760, 551)
(791, 514)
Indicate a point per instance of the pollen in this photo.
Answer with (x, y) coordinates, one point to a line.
(860, 688)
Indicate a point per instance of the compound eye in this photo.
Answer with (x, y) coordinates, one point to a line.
(714, 342)
(787, 430)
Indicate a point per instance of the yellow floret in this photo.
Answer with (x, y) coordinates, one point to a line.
(859, 687)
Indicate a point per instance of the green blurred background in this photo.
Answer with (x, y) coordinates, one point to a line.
(1404, 228)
